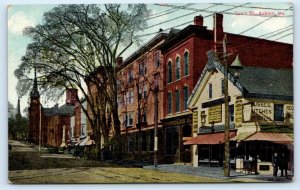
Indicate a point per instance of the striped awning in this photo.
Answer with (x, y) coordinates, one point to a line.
(271, 137)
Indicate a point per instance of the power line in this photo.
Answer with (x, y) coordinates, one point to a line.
(182, 24)
(177, 17)
(169, 11)
(284, 36)
(229, 13)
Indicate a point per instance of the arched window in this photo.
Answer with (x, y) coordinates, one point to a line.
(177, 68)
(169, 71)
(186, 63)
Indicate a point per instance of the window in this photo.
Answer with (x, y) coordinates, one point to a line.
(169, 102)
(142, 68)
(231, 113)
(169, 72)
(130, 96)
(130, 76)
(185, 96)
(278, 112)
(144, 116)
(157, 59)
(223, 86)
(210, 90)
(129, 119)
(143, 91)
(120, 101)
(186, 63)
(177, 68)
(171, 140)
(177, 101)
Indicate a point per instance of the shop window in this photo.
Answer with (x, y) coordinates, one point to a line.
(278, 112)
(171, 141)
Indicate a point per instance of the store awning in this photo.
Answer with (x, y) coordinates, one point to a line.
(271, 137)
(241, 136)
(209, 138)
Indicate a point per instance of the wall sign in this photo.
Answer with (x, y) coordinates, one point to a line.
(215, 114)
(195, 121)
(238, 111)
(263, 111)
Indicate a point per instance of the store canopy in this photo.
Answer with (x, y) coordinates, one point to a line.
(209, 138)
(271, 137)
(241, 136)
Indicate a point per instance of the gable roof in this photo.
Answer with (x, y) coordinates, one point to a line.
(254, 82)
(62, 110)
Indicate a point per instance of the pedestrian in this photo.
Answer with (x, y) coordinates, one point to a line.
(283, 165)
(275, 163)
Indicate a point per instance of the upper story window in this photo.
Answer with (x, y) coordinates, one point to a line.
(130, 75)
(142, 68)
(210, 90)
(177, 101)
(129, 119)
(177, 68)
(129, 96)
(120, 100)
(143, 91)
(278, 112)
(222, 86)
(157, 59)
(185, 96)
(169, 102)
(186, 63)
(231, 113)
(170, 72)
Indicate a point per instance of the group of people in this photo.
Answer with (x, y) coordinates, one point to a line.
(280, 161)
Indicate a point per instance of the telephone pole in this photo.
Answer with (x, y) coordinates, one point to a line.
(156, 90)
(226, 127)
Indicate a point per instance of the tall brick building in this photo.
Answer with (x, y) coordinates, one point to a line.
(184, 58)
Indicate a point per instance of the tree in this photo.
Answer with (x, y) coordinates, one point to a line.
(77, 46)
(17, 125)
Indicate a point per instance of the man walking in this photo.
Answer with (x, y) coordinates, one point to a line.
(284, 164)
(275, 163)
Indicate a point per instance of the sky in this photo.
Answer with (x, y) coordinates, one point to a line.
(21, 16)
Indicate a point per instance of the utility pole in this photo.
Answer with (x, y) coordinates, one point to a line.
(156, 90)
(226, 127)
(40, 128)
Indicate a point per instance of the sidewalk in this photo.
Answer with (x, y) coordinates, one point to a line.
(217, 172)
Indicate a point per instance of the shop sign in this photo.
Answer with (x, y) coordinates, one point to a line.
(238, 111)
(195, 121)
(263, 111)
(215, 114)
(289, 112)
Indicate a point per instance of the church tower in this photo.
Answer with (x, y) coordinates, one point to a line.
(34, 112)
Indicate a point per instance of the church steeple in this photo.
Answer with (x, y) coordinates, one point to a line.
(34, 91)
(18, 115)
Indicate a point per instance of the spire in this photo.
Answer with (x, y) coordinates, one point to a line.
(18, 110)
(34, 91)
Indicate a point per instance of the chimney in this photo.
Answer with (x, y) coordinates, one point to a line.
(218, 32)
(119, 61)
(71, 96)
(198, 20)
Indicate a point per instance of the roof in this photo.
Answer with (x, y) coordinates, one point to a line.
(271, 137)
(266, 81)
(156, 39)
(253, 82)
(62, 110)
(241, 136)
(175, 35)
(209, 138)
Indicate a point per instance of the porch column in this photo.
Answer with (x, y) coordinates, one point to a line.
(195, 155)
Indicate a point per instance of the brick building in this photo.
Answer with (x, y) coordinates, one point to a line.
(137, 77)
(49, 127)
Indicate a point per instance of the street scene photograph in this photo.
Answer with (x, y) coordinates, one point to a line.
(150, 93)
